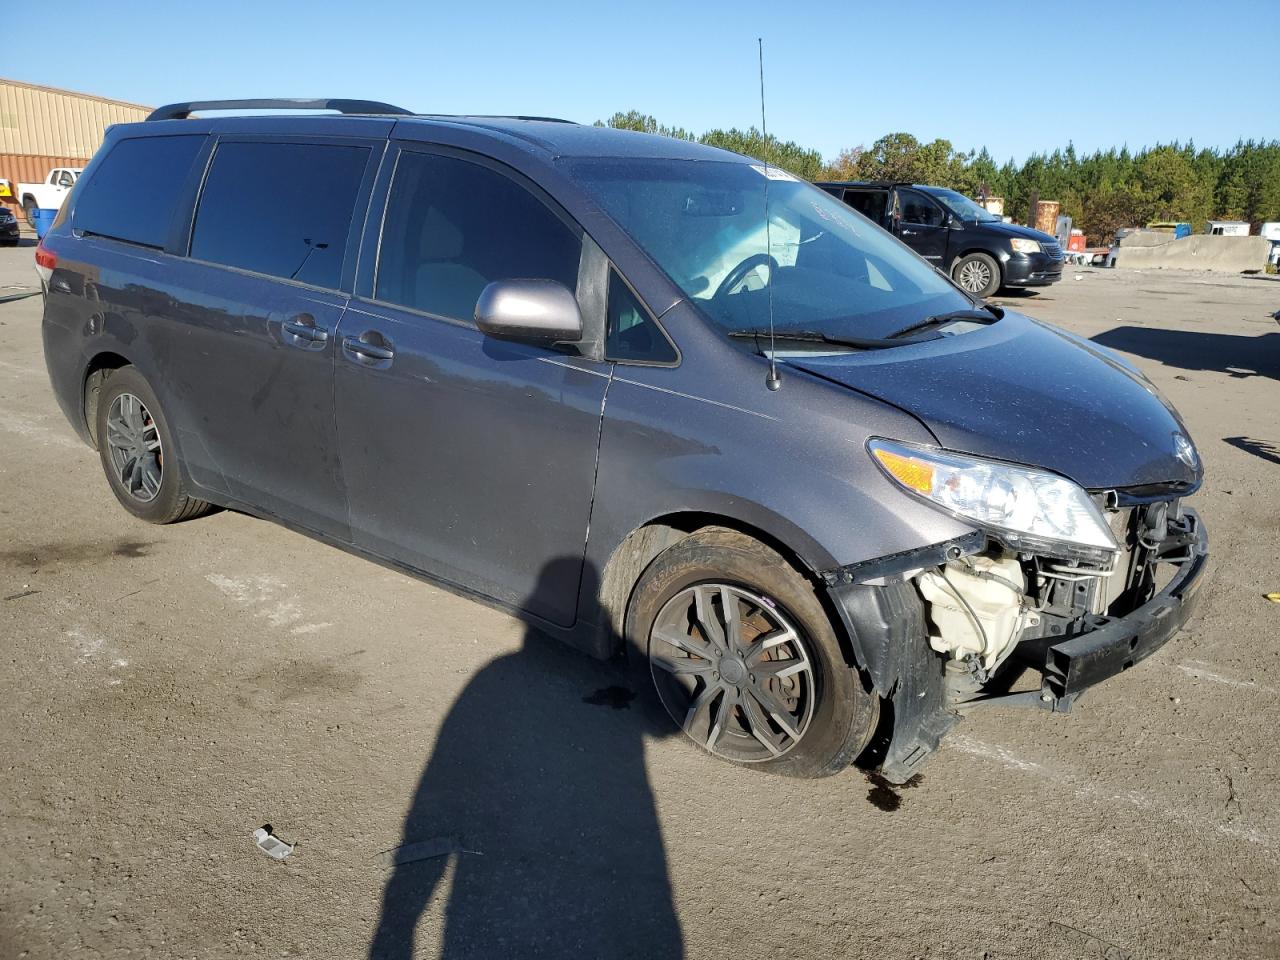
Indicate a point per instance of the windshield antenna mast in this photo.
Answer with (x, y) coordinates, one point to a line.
(772, 381)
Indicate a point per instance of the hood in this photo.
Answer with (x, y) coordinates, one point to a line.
(1014, 230)
(1024, 392)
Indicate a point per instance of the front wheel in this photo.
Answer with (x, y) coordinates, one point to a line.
(978, 274)
(742, 655)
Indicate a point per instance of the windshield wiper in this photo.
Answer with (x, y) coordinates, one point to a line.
(810, 336)
(986, 315)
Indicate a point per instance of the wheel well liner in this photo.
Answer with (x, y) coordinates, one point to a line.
(95, 373)
(964, 253)
(643, 545)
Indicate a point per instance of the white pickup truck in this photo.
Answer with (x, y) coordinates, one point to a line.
(49, 194)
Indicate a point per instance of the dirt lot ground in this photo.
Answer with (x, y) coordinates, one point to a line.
(167, 690)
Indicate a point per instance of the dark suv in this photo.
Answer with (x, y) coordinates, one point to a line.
(977, 249)
(808, 487)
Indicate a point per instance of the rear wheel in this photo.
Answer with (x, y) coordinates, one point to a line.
(743, 657)
(978, 274)
(138, 454)
(29, 210)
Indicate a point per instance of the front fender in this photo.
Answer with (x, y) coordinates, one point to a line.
(709, 437)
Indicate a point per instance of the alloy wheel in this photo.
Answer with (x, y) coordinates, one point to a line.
(974, 276)
(733, 671)
(133, 441)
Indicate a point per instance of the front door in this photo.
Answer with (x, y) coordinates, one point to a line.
(249, 346)
(469, 458)
(922, 225)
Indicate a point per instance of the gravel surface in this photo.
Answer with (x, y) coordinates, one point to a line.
(168, 690)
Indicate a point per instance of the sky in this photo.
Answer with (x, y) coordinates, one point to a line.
(1017, 77)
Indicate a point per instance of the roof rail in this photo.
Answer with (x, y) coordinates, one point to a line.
(180, 111)
(497, 116)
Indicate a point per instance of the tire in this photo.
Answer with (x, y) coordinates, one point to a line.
(978, 274)
(29, 210)
(135, 445)
(792, 706)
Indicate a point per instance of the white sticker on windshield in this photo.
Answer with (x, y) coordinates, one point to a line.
(773, 173)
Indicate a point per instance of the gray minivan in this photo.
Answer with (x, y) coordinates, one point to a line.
(663, 401)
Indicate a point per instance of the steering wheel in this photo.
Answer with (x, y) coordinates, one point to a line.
(739, 273)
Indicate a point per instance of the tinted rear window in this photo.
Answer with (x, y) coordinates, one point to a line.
(132, 193)
(282, 209)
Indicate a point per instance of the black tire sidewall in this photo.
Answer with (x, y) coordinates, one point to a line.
(996, 275)
(845, 713)
(171, 500)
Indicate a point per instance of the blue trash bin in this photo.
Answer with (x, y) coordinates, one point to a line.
(42, 220)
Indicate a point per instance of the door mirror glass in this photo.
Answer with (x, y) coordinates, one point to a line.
(541, 311)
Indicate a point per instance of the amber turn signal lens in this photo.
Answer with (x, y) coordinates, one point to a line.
(911, 473)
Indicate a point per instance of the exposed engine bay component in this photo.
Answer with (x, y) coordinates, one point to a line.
(977, 608)
(994, 613)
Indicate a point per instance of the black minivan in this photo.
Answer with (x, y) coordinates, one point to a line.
(977, 249)
(664, 402)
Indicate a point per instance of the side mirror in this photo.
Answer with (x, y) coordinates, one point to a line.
(542, 311)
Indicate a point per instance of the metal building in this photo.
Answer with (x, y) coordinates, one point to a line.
(43, 127)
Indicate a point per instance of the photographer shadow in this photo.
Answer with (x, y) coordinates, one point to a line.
(535, 811)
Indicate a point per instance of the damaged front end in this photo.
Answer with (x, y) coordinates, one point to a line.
(997, 613)
(998, 608)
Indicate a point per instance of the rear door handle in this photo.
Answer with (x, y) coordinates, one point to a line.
(363, 351)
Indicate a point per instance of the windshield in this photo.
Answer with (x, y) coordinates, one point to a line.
(833, 271)
(962, 206)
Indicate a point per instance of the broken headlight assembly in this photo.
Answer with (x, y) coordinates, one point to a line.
(1028, 510)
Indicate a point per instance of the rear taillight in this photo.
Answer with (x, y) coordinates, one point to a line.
(46, 260)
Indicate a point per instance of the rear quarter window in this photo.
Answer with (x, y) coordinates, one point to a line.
(132, 193)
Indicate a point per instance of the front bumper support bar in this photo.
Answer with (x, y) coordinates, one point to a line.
(1074, 665)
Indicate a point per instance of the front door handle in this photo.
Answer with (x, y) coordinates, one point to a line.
(369, 347)
(303, 326)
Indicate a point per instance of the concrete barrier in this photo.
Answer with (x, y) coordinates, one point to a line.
(1197, 252)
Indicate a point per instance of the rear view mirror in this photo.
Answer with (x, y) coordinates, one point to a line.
(542, 311)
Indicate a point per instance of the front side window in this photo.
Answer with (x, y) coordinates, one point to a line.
(135, 189)
(963, 207)
(915, 208)
(703, 223)
(282, 209)
(453, 226)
